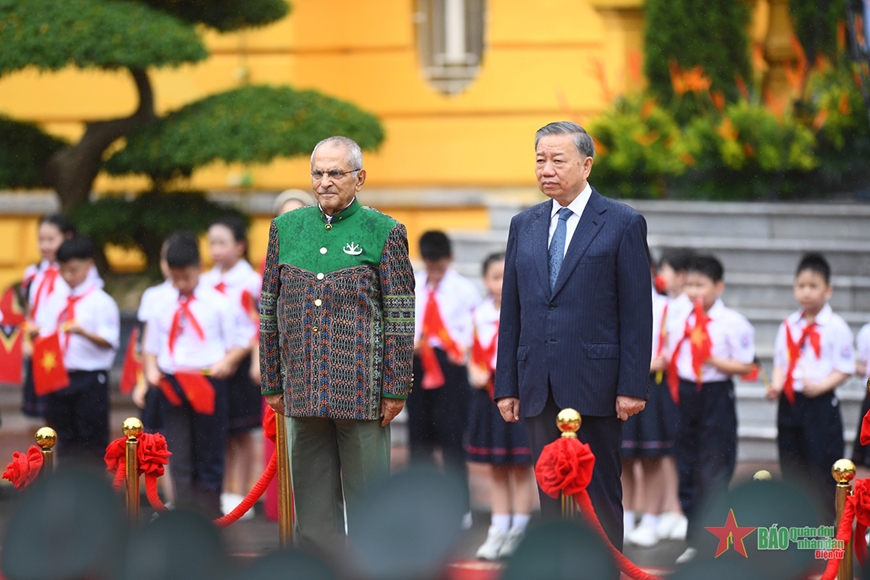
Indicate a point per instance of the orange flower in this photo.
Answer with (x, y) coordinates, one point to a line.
(798, 50)
(841, 35)
(599, 146)
(758, 62)
(844, 104)
(696, 81)
(776, 106)
(647, 109)
(634, 67)
(677, 79)
(820, 119)
(741, 86)
(718, 100)
(795, 76)
(750, 152)
(859, 30)
(648, 139)
(726, 130)
(856, 78)
(688, 159)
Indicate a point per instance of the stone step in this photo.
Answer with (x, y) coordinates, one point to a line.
(776, 291)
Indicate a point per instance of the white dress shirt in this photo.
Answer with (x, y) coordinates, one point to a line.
(731, 335)
(457, 298)
(61, 291)
(577, 206)
(836, 352)
(242, 276)
(152, 296)
(97, 313)
(222, 322)
(661, 312)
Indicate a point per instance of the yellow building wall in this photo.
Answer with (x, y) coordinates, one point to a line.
(539, 65)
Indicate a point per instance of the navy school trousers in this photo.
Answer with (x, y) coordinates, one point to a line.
(810, 439)
(439, 418)
(80, 415)
(705, 447)
(198, 446)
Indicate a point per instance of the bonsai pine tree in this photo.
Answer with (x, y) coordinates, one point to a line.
(252, 124)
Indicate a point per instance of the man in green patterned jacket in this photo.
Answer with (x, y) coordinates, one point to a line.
(336, 341)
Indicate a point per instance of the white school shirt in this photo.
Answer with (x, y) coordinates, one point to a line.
(486, 324)
(222, 323)
(731, 334)
(577, 206)
(61, 291)
(457, 298)
(98, 314)
(661, 308)
(151, 297)
(240, 277)
(863, 348)
(836, 351)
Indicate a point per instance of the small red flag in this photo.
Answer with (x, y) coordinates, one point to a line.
(10, 309)
(752, 375)
(196, 388)
(132, 369)
(49, 372)
(11, 359)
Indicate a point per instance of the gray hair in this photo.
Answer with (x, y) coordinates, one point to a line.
(354, 153)
(582, 140)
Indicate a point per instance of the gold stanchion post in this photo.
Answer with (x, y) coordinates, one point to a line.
(46, 439)
(568, 421)
(844, 472)
(285, 485)
(762, 475)
(132, 428)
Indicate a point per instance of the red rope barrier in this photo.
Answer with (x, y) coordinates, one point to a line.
(857, 508)
(253, 496)
(565, 467)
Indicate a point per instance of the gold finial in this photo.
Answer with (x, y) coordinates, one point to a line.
(46, 438)
(132, 427)
(843, 471)
(568, 421)
(762, 475)
(868, 384)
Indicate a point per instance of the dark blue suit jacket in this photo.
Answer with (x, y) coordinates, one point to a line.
(591, 338)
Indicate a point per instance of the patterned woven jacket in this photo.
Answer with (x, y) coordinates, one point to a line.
(337, 313)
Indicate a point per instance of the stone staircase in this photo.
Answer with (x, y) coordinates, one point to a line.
(759, 245)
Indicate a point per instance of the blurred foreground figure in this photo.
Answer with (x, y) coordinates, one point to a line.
(336, 341)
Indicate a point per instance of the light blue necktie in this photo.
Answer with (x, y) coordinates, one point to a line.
(557, 245)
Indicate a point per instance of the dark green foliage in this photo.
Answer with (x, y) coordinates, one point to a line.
(709, 33)
(252, 124)
(24, 149)
(224, 15)
(109, 34)
(144, 221)
(815, 25)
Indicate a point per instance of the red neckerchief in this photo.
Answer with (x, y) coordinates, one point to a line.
(68, 314)
(433, 326)
(482, 357)
(221, 287)
(183, 310)
(794, 349)
(47, 284)
(701, 349)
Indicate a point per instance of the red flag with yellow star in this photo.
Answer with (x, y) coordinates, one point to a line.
(49, 372)
(11, 337)
(702, 346)
(131, 372)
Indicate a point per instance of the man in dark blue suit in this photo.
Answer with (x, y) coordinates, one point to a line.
(576, 316)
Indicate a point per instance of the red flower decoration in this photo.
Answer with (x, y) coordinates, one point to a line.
(862, 501)
(565, 466)
(115, 454)
(270, 430)
(153, 454)
(23, 469)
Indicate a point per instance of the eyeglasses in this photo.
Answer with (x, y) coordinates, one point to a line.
(333, 174)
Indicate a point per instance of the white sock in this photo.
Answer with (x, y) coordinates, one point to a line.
(649, 520)
(502, 522)
(628, 519)
(520, 521)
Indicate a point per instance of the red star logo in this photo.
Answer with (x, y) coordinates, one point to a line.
(731, 534)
